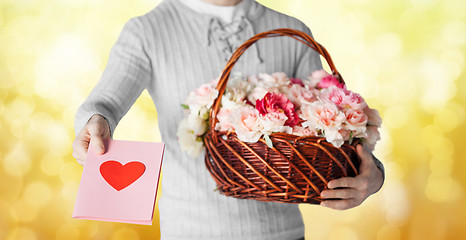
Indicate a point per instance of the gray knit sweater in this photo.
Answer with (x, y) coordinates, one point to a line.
(170, 51)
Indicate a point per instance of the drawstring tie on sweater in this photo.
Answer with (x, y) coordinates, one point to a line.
(230, 35)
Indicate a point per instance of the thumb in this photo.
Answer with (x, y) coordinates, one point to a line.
(98, 144)
(366, 157)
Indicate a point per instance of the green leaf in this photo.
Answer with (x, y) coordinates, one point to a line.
(268, 141)
(184, 106)
(351, 137)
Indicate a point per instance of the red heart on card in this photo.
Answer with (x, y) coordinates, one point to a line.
(120, 176)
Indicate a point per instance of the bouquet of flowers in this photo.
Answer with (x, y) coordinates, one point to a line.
(254, 107)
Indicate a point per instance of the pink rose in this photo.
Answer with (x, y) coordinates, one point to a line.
(202, 96)
(356, 122)
(223, 117)
(277, 102)
(274, 122)
(322, 115)
(281, 78)
(345, 134)
(256, 93)
(330, 81)
(344, 99)
(299, 95)
(316, 76)
(246, 122)
(304, 131)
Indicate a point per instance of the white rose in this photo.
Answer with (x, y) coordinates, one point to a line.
(196, 124)
(188, 141)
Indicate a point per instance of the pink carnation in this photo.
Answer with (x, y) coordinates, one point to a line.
(246, 122)
(202, 96)
(316, 76)
(224, 123)
(322, 115)
(344, 99)
(304, 131)
(356, 122)
(274, 122)
(299, 95)
(329, 81)
(277, 102)
(297, 81)
(325, 116)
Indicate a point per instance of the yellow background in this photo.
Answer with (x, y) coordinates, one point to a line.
(405, 57)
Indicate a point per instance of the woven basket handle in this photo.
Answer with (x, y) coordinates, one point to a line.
(295, 34)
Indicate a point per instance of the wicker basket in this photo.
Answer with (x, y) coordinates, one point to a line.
(295, 170)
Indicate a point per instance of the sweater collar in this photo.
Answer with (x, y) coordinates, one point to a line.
(226, 14)
(248, 11)
(252, 10)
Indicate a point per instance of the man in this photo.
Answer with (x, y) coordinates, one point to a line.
(173, 49)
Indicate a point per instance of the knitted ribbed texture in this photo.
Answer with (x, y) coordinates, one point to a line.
(171, 51)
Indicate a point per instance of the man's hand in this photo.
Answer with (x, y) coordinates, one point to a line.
(97, 130)
(348, 192)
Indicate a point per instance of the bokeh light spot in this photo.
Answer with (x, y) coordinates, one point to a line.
(388, 232)
(441, 165)
(69, 56)
(454, 32)
(125, 233)
(388, 45)
(58, 139)
(397, 202)
(442, 188)
(396, 117)
(17, 162)
(69, 191)
(442, 146)
(446, 119)
(67, 232)
(389, 95)
(438, 85)
(429, 134)
(423, 4)
(71, 172)
(40, 122)
(23, 107)
(37, 194)
(51, 164)
(25, 211)
(10, 188)
(22, 233)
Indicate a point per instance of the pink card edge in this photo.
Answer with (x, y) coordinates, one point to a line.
(158, 181)
(141, 222)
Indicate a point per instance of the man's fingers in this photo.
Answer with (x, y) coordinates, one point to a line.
(340, 204)
(80, 146)
(365, 155)
(98, 144)
(340, 194)
(345, 182)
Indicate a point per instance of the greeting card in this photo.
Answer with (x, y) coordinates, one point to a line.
(120, 185)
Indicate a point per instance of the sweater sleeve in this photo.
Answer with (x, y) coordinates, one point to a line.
(126, 75)
(309, 60)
